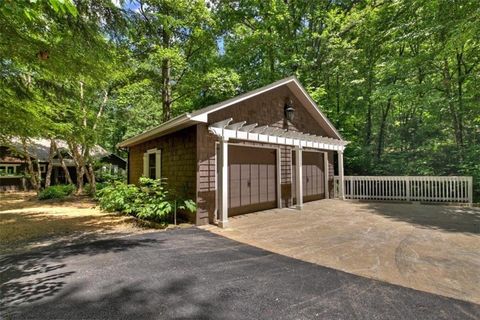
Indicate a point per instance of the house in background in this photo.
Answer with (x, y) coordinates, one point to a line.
(268, 148)
(13, 164)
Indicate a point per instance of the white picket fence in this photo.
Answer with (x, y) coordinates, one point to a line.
(407, 188)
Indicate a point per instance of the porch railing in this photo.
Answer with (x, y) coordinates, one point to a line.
(445, 189)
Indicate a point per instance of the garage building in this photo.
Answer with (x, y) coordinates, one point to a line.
(268, 148)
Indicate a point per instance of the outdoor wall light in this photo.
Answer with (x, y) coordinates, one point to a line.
(289, 110)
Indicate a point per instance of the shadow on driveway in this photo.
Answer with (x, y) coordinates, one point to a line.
(33, 276)
(194, 274)
(447, 218)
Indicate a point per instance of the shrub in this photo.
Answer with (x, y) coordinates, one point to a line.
(107, 176)
(56, 192)
(99, 186)
(150, 201)
(118, 197)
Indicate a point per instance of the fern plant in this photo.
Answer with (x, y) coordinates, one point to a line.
(118, 197)
(151, 200)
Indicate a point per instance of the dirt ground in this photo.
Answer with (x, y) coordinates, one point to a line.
(26, 222)
(426, 247)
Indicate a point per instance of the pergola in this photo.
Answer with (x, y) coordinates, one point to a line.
(265, 134)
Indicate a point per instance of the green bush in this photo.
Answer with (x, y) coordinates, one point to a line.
(99, 186)
(118, 197)
(56, 192)
(107, 176)
(150, 201)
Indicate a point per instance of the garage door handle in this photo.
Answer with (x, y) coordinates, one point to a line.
(249, 184)
(308, 179)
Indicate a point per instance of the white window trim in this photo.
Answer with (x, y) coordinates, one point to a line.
(158, 163)
(43, 168)
(15, 170)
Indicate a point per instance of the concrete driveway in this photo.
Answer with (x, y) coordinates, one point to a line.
(194, 274)
(430, 248)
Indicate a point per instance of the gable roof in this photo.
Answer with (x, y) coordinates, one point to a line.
(40, 148)
(201, 115)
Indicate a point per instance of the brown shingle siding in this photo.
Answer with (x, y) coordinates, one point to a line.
(206, 185)
(268, 109)
(178, 160)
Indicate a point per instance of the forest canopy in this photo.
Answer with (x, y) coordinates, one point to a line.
(399, 79)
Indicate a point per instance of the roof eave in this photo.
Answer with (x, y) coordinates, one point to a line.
(181, 121)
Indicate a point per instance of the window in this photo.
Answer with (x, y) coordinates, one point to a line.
(152, 164)
(8, 170)
(43, 168)
(152, 170)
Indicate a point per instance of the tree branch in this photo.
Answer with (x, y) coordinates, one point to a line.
(100, 110)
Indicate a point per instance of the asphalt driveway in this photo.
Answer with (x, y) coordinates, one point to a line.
(194, 274)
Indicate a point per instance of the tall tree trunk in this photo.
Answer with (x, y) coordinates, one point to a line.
(87, 174)
(447, 85)
(34, 181)
(271, 57)
(80, 174)
(79, 165)
(337, 98)
(383, 125)
(460, 80)
(385, 112)
(368, 122)
(166, 85)
(48, 175)
(89, 170)
(91, 174)
(62, 163)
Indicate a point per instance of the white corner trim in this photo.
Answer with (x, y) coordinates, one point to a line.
(200, 118)
(325, 174)
(145, 164)
(279, 177)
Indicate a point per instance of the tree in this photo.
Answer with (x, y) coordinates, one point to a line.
(398, 78)
(174, 43)
(41, 95)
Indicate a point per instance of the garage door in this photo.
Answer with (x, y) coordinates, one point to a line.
(313, 176)
(252, 179)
